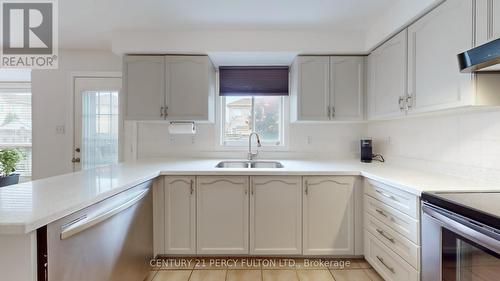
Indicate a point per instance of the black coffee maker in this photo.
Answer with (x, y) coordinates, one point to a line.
(366, 151)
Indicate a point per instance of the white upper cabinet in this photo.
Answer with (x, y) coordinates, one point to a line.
(327, 88)
(434, 80)
(189, 87)
(487, 21)
(180, 215)
(169, 87)
(144, 86)
(276, 215)
(311, 88)
(347, 88)
(328, 215)
(387, 66)
(222, 215)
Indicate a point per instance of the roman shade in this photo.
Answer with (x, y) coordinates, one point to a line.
(253, 80)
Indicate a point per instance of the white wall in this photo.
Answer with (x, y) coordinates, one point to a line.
(52, 106)
(464, 144)
(209, 41)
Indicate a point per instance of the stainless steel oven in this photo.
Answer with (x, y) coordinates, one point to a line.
(460, 242)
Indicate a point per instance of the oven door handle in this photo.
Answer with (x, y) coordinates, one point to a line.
(462, 229)
(87, 222)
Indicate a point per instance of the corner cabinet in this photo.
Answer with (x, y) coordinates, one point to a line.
(222, 215)
(387, 67)
(434, 80)
(328, 215)
(180, 215)
(275, 215)
(327, 88)
(168, 87)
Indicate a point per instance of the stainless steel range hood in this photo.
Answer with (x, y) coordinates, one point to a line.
(480, 57)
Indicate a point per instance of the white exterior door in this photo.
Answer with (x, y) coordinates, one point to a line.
(96, 122)
(275, 215)
(328, 215)
(222, 215)
(180, 215)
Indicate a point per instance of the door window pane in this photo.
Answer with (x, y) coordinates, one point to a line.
(99, 129)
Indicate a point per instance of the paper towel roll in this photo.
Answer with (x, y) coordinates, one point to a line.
(182, 128)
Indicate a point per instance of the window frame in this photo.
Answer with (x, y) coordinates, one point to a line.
(243, 145)
(20, 87)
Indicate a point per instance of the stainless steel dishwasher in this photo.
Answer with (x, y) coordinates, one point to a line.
(109, 241)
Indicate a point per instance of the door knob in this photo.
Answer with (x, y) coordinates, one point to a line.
(75, 160)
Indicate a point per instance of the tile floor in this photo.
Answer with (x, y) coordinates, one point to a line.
(254, 269)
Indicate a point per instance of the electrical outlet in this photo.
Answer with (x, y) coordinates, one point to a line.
(60, 129)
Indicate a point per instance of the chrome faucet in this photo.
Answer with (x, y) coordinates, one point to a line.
(250, 154)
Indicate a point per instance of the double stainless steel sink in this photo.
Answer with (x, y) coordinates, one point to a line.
(244, 164)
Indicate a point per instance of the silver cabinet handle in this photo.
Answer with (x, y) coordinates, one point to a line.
(391, 269)
(192, 187)
(409, 102)
(381, 232)
(381, 212)
(161, 111)
(166, 112)
(329, 112)
(307, 188)
(333, 112)
(386, 195)
(87, 222)
(400, 102)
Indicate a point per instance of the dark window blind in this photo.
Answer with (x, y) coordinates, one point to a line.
(253, 80)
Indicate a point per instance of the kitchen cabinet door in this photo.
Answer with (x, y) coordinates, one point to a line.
(434, 80)
(487, 21)
(276, 215)
(328, 215)
(144, 86)
(189, 87)
(222, 215)
(387, 66)
(180, 215)
(311, 89)
(347, 88)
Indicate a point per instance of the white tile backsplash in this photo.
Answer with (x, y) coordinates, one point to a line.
(314, 140)
(463, 144)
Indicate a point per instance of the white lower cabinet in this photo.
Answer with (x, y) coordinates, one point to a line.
(387, 263)
(180, 215)
(328, 215)
(275, 215)
(222, 215)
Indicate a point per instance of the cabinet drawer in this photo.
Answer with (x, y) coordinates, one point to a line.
(393, 240)
(401, 223)
(388, 264)
(399, 200)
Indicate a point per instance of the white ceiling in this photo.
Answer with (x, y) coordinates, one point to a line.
(89, 24)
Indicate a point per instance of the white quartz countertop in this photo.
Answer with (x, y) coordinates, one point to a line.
(28, 206)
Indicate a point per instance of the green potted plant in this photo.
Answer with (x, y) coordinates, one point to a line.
(9, 158)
